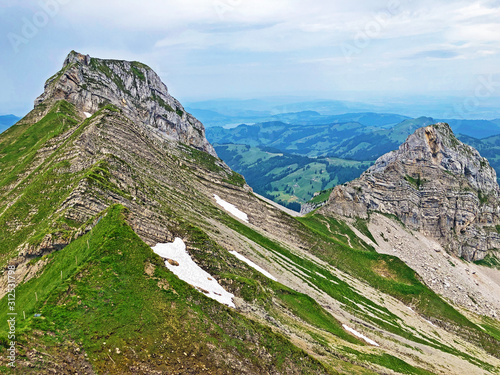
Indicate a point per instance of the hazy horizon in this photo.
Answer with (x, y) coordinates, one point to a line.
(421, 53)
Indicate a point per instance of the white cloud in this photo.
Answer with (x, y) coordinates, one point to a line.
(171, 15)
(288, 25)
(220, 48)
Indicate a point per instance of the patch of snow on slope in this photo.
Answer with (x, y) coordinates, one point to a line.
(232, 209)
(360, 335)
(429, 322)
(190, 272)
(87, 114)
(253, 265)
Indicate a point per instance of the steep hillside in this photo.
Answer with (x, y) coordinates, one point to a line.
(91, 184)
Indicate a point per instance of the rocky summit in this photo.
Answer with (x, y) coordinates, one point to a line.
(91, 83)
(435, 184)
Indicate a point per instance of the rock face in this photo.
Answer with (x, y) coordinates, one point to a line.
(309, 207)
(435, 184)
(91, 83)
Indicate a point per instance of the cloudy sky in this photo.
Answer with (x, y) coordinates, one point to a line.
(364, 50)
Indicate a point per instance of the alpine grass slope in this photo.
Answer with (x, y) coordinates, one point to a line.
(108, 165)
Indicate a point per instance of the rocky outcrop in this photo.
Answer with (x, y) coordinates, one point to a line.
(309, 207)
(91, 83)
(435, 184)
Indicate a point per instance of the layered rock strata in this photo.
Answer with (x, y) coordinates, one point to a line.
(434, 184)
(91, 83)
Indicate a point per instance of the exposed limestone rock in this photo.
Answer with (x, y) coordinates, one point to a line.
(91, 83)
(309, 207)
(51, 242)
(434, 184)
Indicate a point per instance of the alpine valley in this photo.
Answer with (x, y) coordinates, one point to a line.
(134, 249)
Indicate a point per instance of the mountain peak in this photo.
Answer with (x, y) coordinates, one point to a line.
(75, 57)
(91, 83)
(435, 184)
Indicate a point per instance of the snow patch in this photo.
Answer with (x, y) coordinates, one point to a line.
(232, 209)
(87, 114)
(326, 278)
(253, 265)
(190, 272)
(360, 335)
(429, 322)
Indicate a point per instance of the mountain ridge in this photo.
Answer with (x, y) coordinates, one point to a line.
(433, 182)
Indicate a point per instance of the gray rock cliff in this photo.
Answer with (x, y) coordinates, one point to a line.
(91, 83)
(434, 184)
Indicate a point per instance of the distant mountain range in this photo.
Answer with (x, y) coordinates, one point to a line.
(350, 136)
(474, 128)
(6, 121)
(286, 162)
(349, 140)
(231, 112)
(212, 118)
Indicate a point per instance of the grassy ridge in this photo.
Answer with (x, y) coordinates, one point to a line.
(105, 300)
(33, 210)
(41, 191)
